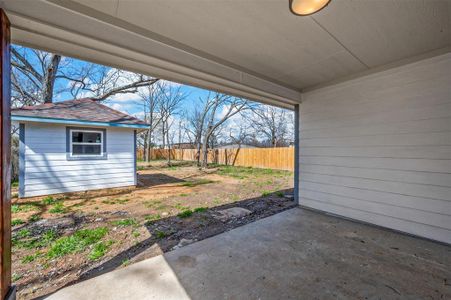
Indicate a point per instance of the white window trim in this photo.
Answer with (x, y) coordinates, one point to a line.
(84, 143)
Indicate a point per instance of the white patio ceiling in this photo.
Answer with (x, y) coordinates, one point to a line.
(251, 48)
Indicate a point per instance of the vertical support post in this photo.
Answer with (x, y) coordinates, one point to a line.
(5, 160)
(296, 153)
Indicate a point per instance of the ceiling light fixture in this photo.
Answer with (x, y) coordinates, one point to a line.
(307, 7)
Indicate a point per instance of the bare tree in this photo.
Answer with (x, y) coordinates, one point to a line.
(35, 76)
(186, 126)
(227, 106)
(197, 123)
(169, 106)
(271, 123)
(151, 99)
(38, 76)
(239, 135)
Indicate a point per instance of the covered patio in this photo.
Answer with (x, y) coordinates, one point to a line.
(369, 82)
(296, 254)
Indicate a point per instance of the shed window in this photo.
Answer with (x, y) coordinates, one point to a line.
(86, 143)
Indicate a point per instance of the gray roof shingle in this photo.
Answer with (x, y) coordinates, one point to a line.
(79, 109)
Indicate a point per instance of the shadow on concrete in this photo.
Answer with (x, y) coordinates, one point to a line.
(166, 233)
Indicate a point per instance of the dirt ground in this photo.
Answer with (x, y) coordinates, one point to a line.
(61, 239)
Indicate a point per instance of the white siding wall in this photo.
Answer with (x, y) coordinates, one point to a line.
(378, 148)
(47, 170)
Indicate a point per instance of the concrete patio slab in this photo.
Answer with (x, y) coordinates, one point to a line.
(296, 254)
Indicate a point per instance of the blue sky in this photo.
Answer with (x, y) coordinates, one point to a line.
(128, 103)
(131, 104)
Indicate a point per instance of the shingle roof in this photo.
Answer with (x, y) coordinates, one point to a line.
(79, 109)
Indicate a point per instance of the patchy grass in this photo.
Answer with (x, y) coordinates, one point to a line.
(151, 203)
(151, 218)
(16, 208)
(125, 222)
(34, 218)
(49, 200)
(23, 233)
(162, 207)
(185, 214)
(160, 234)
(162, 194)
(197, 182)
(76, 242)
(16, 277)
(200, 209)
(115, 201)
(23, 239)
(179, 206)
(16, 222)
(235, 197)
(266, 193)
(245, 172)
(125, 262)
(280, 194)
(99, 250)
(15, 183)
(30, 258)
(58, 208)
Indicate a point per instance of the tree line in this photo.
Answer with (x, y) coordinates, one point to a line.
(173, 116)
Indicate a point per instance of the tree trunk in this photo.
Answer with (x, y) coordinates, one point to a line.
(180, 133)
(149, 145)
(205, 149)
(163, 133)
(198, 140)
(144, 158)
(49, 79)
(204, 155)
(169, 145)
(149, 136)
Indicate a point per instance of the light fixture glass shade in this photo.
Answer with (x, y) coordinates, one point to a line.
(307, 7)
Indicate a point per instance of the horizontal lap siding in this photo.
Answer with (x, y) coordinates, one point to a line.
(47, 170)
(378, 148)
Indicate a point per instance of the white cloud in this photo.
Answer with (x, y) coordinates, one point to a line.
(170, 83)
(139, 115)
(122, 107)
(124, 97)
(116, 106)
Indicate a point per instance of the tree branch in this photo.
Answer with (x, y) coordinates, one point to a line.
(129, 88)
(26, 64)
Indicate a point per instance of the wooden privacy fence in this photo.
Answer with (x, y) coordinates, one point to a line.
(271, 158)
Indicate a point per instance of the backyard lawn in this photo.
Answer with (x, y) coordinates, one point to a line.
(61, 239)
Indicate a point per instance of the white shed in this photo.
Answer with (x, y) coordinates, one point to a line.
(75, 145)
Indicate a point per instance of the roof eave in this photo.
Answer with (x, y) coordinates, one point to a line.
(76, 122)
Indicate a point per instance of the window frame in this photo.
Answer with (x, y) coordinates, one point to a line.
(69, 144)
(72, 143)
